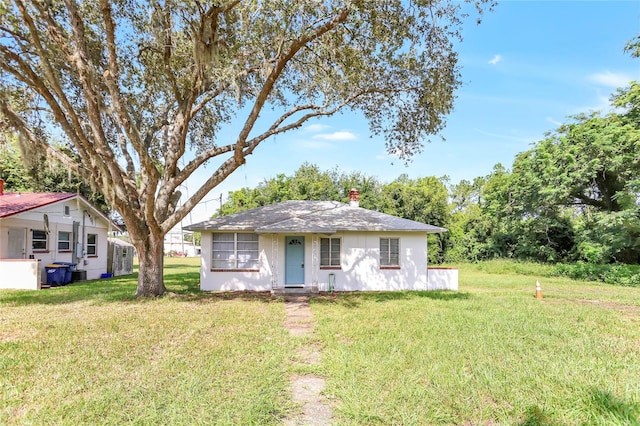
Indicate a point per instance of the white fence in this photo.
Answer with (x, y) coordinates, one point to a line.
(20, 274)
(442, 279)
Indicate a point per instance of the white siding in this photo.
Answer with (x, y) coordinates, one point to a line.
(360, 264)
(443, 279)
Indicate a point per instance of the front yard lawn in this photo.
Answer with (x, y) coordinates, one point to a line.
(489, 354)
(90, 353)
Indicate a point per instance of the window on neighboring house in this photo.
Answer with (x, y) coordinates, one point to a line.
(38, 240)
(64, 241)
(67, 211)
(389, 252)
(329, 252)
(92, 244)
(235, 251)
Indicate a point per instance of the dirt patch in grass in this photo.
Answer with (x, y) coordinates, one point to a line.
(306, 389)
(308, 355)
(16, 336)
(629, 310)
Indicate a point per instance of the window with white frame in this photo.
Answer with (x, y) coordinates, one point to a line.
(64, 241)
(92, 244)
(235, 251)
(389, 252)
(38, 240)
(329, 252)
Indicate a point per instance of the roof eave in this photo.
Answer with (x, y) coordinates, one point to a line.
(328, 231)
(438, 231)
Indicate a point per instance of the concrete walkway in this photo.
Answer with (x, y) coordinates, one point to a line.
(307, 389)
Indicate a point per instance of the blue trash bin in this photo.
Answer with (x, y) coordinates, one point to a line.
(55, 274)
(69, 271)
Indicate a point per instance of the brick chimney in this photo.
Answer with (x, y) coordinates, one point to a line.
(1, 186)
(354, 198)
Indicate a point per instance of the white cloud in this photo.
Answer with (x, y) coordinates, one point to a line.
(336, 136)
(495, 59)
(611, 79)
(316, 127)
(553, 121)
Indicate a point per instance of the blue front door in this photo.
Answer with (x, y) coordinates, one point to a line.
(294, 262)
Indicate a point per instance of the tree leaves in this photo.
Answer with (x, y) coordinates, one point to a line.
(573, 196)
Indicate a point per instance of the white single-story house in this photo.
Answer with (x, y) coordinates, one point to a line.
(51, 227)
(316, 246)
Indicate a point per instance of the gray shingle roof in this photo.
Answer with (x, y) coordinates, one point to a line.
(323, 217)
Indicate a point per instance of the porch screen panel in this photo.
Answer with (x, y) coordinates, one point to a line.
(223, 251)
(247, 249)
(335, 252)
(235, 251)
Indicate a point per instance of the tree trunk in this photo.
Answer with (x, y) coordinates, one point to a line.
(151, 266)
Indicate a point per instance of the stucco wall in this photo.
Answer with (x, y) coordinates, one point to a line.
(94, 224)
(442, 279)
(360, 264)
(20, 274)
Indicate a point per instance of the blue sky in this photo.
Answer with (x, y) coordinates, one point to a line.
(525, 70)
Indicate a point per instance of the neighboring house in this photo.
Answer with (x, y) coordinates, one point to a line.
(175, 243)
(54, 227)
(314, 246)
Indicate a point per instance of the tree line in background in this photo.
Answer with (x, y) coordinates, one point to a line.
(36, 173)
(574, 196)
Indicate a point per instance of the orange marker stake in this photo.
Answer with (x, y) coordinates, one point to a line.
(538, 290)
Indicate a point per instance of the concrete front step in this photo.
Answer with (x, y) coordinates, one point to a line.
(294, 291)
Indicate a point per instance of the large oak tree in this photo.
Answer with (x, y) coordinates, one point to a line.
(141, 90)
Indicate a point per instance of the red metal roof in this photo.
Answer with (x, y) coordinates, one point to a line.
(12, 203)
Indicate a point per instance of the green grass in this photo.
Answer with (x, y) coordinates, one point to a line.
(490, 354)
(616, 274)
(89, 353)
